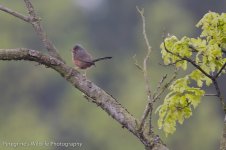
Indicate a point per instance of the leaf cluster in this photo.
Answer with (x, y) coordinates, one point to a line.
(207, 54)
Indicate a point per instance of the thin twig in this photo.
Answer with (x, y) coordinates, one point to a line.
(192, 48)
(160, 84)
(222, 68)
(171, 64)
(15, 14)
(40, 32)
(149, 106)
(35, 21)
(223, 50)
(157, 96)
(210, 95)
(146, 112)
(137, 64)
(141, 12)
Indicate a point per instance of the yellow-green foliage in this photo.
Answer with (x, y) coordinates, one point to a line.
(207, 52)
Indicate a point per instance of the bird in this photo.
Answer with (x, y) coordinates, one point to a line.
(82, 59)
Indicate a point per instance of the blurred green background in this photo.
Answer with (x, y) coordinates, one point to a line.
(37, 104)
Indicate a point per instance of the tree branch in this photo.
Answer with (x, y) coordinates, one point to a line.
(160, 84)
(222, 68)
(157, 95)
(136, 63)
(104, 100)
(15, 14)
(35, 21)
(171, 64)
(210, 95)
(149, 106)
(188, 60)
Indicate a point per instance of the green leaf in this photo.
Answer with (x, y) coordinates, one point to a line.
(206, 52)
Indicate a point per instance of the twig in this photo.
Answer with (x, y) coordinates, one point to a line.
(15, 14)
(160, 84)
(156, 96)
(136, 63)
(149, 106)
(35, 21)
(170, 64)
(141, 12)
(193, 48)
(222, 68)
(210, 95)
(146, 112)
(40, 32)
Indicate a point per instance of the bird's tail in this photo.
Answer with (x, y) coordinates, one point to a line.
(102, 58)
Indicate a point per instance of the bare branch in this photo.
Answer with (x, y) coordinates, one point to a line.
(161, 81)
(15, 14)
(149, 106)
(100, 97)
(136, 63)
(222, 68)
(40, 32)
(157, 96)
(141, 12)
(145, 115)
(35, 21)
(210, 95)
(93, 93)
(160, 84)
(171, 64)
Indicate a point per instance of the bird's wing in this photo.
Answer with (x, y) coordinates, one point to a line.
(84, 57)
